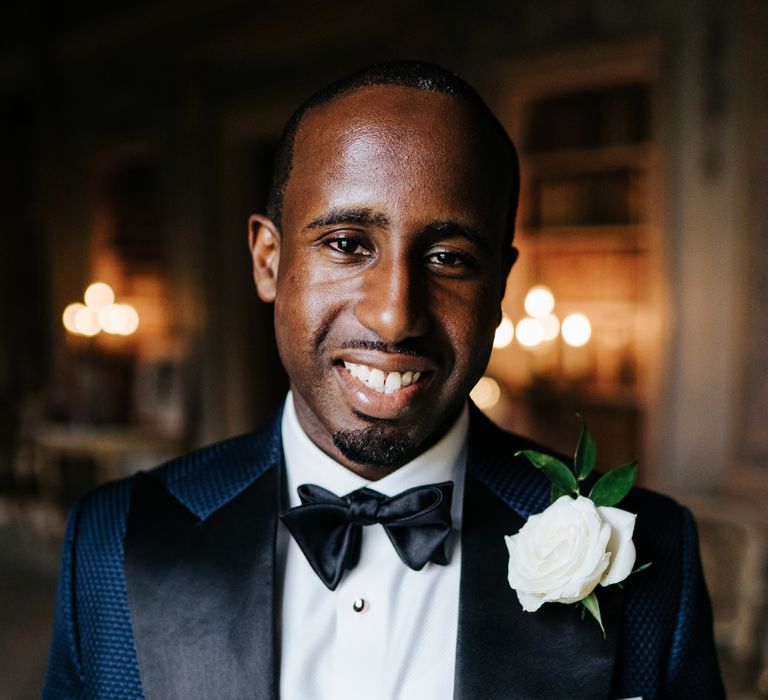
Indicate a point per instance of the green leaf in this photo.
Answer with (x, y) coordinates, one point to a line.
(556, 471)
(641, 568)
(584, 460)
(610, 488)
(593, 607)
(556, 492)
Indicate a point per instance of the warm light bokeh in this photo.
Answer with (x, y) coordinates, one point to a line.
(530, 332)
(98, 295)
(505, 333)
(100, 313)
(68, 317)
(86, 321)
(577, 330)
(551, 326)
(131, 323)
(486, 393)
(539, 301)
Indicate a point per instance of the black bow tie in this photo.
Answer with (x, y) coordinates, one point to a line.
(328, 528)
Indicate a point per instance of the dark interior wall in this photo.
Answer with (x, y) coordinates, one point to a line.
(199, 91)
(752, 445)
(24, 302)
(160, 84)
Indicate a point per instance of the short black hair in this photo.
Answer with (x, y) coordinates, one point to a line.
(415, 74)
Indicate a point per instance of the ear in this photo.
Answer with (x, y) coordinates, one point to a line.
(510, 257)
(264, 244)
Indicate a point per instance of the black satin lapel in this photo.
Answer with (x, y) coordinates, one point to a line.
(201, 594)
(504, 652)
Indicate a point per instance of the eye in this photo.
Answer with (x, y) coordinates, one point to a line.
(446, 258)
(348, 246)
(450, 259)
(450, 262)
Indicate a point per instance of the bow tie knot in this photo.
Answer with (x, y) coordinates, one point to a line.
(328, 528)
(363, 507)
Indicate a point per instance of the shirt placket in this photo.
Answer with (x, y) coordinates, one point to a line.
(362, 621)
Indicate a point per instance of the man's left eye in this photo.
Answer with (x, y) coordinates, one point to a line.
(447, 258)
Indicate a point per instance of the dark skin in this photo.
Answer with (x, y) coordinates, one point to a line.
(392, 255)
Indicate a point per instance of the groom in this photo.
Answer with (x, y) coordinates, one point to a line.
(256, 567)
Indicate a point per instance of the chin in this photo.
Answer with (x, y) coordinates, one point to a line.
(377, 446)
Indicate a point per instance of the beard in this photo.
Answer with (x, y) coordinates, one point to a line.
(375, 447)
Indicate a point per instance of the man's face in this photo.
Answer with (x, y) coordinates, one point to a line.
(388, 273)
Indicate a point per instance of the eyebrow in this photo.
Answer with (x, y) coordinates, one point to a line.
(363, 217)
(454, 228)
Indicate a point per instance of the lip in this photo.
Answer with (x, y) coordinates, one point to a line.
(386, 362)
(374, 404)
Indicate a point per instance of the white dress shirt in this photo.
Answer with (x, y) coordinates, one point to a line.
(402, 645)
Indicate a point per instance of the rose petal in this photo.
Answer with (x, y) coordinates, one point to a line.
(529, 603)
(621, 546)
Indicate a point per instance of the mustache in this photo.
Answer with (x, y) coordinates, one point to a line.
(404, 348)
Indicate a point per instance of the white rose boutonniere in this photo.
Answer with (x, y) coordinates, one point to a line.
(562, 554)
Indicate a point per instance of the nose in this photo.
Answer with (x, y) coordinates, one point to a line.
(392, 304)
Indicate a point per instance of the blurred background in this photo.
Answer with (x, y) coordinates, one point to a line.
(136, 137)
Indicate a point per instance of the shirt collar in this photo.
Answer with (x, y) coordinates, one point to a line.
(305, 463)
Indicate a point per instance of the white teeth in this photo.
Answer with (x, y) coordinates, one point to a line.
(353, 368)
(378, 380)
(393, 383)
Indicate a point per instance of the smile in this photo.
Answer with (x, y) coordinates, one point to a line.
(381, 381)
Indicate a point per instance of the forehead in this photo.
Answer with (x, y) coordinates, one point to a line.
(391, 141)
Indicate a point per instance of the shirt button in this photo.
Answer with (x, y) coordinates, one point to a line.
(360, 605)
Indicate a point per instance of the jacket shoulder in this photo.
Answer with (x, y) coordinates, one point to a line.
(262, 445)
(207, 478)
(657, 512)
(493, 457)
(214, 470)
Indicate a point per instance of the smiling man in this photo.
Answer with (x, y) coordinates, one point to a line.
(387, 262)
(354, 546)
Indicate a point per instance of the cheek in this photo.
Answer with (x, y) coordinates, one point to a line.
(284, 333)
(305, 304)
(469, 322)
(291, 316)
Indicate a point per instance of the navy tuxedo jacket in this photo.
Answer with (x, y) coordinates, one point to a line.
(168, 589)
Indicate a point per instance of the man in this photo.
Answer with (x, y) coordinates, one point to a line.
(257, 567)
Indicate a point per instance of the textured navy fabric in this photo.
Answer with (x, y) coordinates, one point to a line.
(92, 655)
(665, 649)
(92, 651)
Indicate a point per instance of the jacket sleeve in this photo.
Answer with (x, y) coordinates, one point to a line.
(693, 670)
(64, 678)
